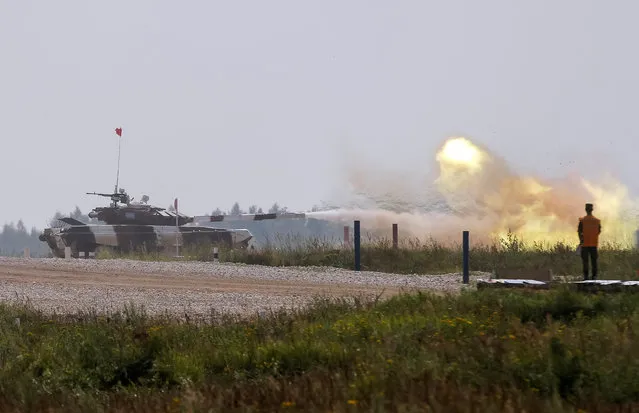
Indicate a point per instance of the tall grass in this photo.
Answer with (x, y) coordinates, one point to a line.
(414, 256)
(487, 351)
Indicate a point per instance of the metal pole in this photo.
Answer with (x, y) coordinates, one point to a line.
(357, 246)
(465, 255)
(395, 236)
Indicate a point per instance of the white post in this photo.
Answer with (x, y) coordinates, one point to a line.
(177, 228)
(67, 252)
(27, 252)
(215, 255)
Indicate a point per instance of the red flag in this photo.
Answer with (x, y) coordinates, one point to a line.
(118, 131)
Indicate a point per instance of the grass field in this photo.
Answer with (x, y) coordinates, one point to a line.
(484, 351)
(412, 256)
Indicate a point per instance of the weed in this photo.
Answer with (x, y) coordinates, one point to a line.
(483, 350)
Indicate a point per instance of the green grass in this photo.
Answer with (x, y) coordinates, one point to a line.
(487, 351)
(412, 256)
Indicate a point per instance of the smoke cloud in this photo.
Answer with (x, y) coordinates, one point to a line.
(474, 189)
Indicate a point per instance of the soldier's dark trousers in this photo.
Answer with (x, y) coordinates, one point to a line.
(589, 252)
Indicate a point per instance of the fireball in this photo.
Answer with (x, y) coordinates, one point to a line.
(480, 185)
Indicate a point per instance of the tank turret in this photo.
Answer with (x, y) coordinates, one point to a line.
(139, 213)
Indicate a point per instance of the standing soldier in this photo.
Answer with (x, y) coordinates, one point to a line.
(589, 229)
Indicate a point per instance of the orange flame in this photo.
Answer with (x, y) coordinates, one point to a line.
(479, 184)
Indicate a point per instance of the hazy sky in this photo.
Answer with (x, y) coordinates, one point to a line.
(267, 101)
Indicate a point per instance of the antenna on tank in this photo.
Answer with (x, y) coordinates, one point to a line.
(119, 194)
(118, 131)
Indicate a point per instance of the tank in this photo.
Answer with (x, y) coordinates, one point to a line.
(126, 226)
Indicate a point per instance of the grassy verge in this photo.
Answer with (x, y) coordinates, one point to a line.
(488, 351)
(412, 256)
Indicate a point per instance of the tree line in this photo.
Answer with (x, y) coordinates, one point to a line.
(15, 237)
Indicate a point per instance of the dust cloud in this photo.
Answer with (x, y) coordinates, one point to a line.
(477, 190)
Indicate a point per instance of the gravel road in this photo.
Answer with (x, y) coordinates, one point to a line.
(193, 288)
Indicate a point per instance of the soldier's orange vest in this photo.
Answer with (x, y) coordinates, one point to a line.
(590, 227)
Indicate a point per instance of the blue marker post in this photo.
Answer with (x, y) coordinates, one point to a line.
(466, 248)
(356, 236)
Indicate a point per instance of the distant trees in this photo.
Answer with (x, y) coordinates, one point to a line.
(15, 237)
(276, 209)
(76, 214)
(236, 209)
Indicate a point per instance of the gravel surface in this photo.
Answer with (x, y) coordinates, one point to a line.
(194, 288)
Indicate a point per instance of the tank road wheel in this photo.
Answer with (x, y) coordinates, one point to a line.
(75, 250)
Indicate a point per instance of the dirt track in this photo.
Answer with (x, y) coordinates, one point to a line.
(182, 283)
(69, 286)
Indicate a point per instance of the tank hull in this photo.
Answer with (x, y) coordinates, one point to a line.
(135, 238)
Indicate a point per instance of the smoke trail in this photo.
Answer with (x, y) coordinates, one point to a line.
(425, 226)
(477, 190)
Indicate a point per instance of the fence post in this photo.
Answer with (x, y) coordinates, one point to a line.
(357, 246)
(465, 253)
(395, 236)
(215, 254)
(347, 235)
(27, 252)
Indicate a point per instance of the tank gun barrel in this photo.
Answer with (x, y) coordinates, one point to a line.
(115, 197)
(248, 217)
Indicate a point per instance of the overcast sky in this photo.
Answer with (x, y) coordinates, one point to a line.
(267, 101)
